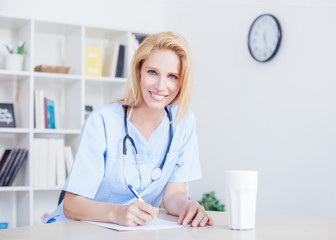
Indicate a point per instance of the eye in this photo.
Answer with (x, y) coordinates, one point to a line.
(172, 76)
(151, 72)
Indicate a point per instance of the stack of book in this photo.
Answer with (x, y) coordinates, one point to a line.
(11, 161)
(114, 61)
(52, 162)
(44, 111)
(93, 62)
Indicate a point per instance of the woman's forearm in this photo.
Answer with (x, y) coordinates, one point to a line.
(80, 208)
(174, 203)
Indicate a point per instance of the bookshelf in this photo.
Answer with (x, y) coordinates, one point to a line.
(56, 44)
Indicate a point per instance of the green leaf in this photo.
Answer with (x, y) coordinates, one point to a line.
(20, 48)
(221, 208)
(210, 202)
(10, 49)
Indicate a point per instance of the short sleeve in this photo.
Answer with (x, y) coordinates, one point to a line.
(188, 166)
(88, 168)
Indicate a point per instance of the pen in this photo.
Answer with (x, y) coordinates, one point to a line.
(136, 194)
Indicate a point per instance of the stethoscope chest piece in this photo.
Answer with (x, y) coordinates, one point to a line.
(156, 174)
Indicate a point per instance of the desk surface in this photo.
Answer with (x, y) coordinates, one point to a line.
(282, 227)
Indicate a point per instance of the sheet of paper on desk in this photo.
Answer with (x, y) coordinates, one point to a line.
(160, 224)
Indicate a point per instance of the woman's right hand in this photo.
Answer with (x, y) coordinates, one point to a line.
(136, 213)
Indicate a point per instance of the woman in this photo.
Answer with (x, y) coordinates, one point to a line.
(147, 139)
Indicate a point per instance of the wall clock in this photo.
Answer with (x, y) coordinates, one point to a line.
(264, 37)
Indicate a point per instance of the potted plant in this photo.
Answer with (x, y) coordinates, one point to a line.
(14, 60)
(211, 203)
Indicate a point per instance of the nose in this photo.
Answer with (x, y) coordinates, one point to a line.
(161, 83)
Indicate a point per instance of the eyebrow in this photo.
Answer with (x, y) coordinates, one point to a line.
(156, 69)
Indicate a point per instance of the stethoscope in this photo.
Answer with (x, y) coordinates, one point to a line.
(157, 172)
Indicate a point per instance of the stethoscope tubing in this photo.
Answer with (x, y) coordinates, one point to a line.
(127, 136)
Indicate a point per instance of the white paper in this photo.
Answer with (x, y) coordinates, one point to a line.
(160, 224)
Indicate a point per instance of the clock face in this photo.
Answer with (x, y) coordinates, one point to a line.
(264, 38)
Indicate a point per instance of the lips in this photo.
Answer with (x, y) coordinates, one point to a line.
(157, 97)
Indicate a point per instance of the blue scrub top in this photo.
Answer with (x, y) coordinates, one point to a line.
(98, 171)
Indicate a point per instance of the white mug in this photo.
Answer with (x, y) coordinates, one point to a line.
(241, 198)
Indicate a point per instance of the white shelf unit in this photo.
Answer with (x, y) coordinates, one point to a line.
(50, 43)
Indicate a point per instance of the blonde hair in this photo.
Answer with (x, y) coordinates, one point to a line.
(161, 41)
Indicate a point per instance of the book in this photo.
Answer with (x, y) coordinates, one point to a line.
(3, 158)
(39, 108)
(50, 113)
(11, 167)
(60, 163)
(4, 161)
(120, 62)
(7, 166)
(68, 159)
(45, 113)
(35, 162)
(51, 162)
(36, 109)
(48, 162)
(111, 60)
(21, 157)
(42, 162)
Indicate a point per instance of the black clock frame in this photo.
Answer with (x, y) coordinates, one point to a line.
(279, 37)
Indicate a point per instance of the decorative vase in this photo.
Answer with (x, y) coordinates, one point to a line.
(14, 62)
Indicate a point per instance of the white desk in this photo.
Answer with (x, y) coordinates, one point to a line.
(268, 227)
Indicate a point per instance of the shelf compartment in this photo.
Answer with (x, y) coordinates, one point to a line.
(14, 208)
(10, 140)
(98, 93)
(15, 89)
(58, 45)
(66, 94)
(13, 31)
(104, 38)
(71, 137)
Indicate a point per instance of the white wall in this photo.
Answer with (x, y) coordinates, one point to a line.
(279, 117)
(138, 16)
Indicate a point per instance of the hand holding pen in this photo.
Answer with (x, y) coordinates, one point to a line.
(136, 213)
(136, 194)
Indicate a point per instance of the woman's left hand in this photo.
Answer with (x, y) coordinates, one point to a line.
(195, 213)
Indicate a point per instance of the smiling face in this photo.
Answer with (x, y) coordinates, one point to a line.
(160, 79)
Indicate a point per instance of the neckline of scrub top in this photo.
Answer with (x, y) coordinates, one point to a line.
(147, 143)
(139, 133)
(163, 120)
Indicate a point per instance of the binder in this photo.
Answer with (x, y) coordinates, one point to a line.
(7, 166)
(21, 157)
